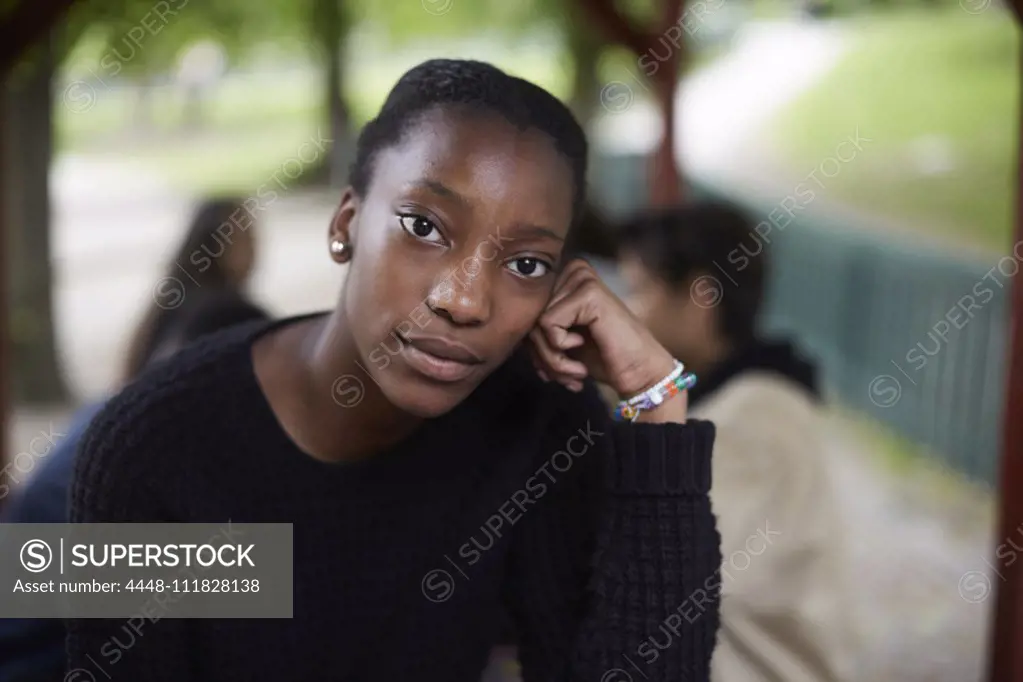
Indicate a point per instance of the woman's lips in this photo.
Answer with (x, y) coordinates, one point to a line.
(440, 359)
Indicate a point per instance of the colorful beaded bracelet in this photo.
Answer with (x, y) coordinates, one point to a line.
(660, 386)
(670, 386)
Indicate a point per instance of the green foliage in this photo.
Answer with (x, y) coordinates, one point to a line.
(642, 12)
(412, 20)
(136, 37)
(143, 37)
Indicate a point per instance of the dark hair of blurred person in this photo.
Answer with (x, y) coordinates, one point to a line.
(212, 312)
(696, 274)
(407, 421)
(672, 260)
(591, 235)
(34, 650)
(217, 254)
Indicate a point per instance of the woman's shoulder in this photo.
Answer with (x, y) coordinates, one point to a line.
(183, 395)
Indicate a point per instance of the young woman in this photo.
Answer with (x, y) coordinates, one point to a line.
(434, 476)
(216, 257)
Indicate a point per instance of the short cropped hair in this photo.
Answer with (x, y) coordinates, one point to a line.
(712, 238)
(471, 85)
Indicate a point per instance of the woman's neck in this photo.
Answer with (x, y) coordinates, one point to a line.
(341, 414)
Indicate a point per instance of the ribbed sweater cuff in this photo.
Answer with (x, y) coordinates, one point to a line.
(661, 459)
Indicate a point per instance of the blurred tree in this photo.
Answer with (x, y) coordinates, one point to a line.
(140, 38)
(328, 23)
(585, 46)
(28, 141)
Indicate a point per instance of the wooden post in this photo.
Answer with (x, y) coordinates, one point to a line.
(5, 376)
(665, 178)
(1006, 646)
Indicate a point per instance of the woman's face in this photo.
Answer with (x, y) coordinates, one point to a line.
(455, 247)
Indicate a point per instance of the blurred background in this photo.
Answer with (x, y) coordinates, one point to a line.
(876, 139)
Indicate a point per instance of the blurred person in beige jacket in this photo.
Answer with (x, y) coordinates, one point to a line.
(696, 275)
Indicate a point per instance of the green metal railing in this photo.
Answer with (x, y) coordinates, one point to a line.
(904, 333)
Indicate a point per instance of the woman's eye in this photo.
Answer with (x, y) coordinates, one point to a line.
(529, 267)
(420, 228)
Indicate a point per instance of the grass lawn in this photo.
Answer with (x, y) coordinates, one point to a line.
(933, 89)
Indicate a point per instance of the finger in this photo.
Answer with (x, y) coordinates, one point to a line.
(574, 310)
(560, 366)
(567, 276)
(557, 364)
(571, 340)
(571, 280)
(564, 339)
(537, 362)
(569, 269)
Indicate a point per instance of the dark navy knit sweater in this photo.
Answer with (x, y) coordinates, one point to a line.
(525, 499)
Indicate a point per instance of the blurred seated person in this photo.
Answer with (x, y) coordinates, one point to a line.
(33, 650)
(202, 289)
(783, 615)
(216, 256)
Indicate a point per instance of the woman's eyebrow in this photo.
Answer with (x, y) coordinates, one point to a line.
(518, 230)
(442, 190)
(528, 231)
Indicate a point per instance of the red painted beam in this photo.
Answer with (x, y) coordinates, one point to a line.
(615, 26)
(665, 180)
(5, 376)
(1006, 646)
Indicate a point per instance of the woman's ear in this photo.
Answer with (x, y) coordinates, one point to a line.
(342, 233)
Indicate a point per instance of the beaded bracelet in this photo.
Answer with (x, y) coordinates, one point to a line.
(679, 380)
(660, 386)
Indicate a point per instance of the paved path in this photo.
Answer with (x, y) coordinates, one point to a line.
(722, 106)
(914, 556)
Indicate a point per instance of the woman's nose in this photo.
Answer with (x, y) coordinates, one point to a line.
(463, 295)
